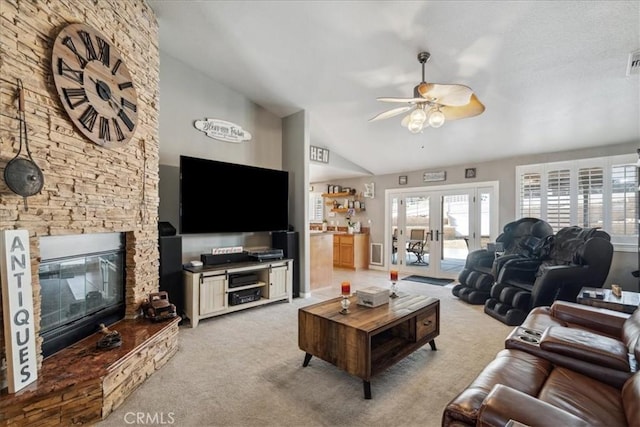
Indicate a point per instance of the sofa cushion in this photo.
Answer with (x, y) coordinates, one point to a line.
(586, 346)
(584, 397)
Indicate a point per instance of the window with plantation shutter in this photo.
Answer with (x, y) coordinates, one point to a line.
(316, 211)
(623, 200)
(530, 189)
(559, 198)
(590, 208)
(600, 192)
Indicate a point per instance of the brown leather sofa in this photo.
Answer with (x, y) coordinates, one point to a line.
(567, 364)
(594, 341)
(528, 389)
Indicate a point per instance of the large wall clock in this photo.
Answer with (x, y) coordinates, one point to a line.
(94, 85)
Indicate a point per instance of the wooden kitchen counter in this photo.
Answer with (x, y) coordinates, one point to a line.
(321, 251)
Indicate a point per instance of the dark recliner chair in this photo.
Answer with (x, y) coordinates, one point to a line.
(518, 239)
(572, 258)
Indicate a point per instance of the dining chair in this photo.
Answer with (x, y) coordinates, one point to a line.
(416, 245)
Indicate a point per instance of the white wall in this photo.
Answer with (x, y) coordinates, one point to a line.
(187, 95)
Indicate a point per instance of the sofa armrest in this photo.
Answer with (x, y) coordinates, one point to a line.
(609, 322)
(505, 403)
(559, 282)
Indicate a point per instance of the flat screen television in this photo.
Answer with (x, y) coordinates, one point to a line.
(220, 197)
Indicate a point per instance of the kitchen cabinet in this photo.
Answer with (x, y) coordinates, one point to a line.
(351, 251)
(321, 260)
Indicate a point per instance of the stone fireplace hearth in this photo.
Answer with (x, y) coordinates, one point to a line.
(83, 384)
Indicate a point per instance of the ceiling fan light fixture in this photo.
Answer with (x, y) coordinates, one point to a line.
(415, 126)
(418, 115)
(433, 103)
(436, 118)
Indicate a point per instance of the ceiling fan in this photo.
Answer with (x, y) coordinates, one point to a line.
(433, 103)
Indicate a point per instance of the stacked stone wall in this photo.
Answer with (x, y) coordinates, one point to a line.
(87, 188)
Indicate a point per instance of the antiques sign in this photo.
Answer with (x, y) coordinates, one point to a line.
(222, 130)
(17, 308)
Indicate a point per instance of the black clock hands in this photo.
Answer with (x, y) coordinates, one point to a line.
(104, 92)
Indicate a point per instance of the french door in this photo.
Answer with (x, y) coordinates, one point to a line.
(431, 232)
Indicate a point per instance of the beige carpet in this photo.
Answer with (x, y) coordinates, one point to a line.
(245, 369)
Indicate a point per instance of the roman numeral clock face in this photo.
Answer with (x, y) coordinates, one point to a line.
(94, 85)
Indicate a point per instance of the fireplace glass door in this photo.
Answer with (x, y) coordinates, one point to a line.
(80, 288)
(74, 288)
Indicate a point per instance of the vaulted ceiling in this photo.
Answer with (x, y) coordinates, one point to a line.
(552, 74)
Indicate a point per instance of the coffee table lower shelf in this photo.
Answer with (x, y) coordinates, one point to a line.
(368, 340)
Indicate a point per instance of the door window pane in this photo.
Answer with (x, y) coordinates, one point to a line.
(394, 231)
(485, 219)
(455, 227)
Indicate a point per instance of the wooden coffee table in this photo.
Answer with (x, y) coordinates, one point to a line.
(368, 340)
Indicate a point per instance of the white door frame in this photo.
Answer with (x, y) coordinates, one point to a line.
(476, 188)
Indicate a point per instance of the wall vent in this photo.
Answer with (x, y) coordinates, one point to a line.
(376, 254)
(633, 67)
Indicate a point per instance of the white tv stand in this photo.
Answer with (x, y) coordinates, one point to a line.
(207, 291)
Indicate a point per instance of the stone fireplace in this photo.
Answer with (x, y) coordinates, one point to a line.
(88, 190)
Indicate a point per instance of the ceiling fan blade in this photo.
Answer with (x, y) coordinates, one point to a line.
(473, 108)
(446, 94)
(409, 100)
(391, 113)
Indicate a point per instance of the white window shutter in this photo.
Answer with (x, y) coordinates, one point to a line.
(590, 208)
(559, 198)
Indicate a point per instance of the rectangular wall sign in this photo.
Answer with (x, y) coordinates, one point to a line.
(318, 154)
(17, 309)
(434, 176)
